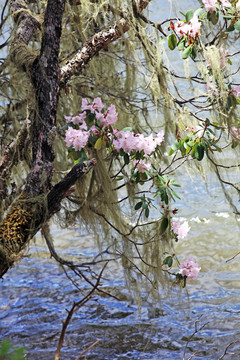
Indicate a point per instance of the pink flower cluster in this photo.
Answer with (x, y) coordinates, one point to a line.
(128, 141)
(141, 166)
(210, 5)
(191, 29)
(78, 138)
(189, 268)
(181, 230)
(79, 131)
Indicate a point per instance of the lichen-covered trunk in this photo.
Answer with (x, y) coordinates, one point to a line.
(28, 211)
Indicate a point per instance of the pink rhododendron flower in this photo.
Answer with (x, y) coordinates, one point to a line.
(68, 118)
(96, 105)
(70, 136)
(129, 141)
(79, 118)
(159, 137)
(236, 91)
(141, 166)
(111, 115)
(181, 230)
(189, 268)
(80, 140)
(210, 5)
(235, 133)
(188, 29)
(76, 138)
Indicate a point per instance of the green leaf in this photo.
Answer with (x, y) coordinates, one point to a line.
(126, 158)
(138, 205)
(147, 212)
(175, 145)
(181, 44)
(189, 15)
(127, 129)
(164, 225)
(171, 151)
(230, 28)
(100, 143)
(138, 155)
(168, 261)
(187, 52)
(199, 152)
(164, 197)
(172, 41)
(194, 52)
(237, 25)
(199, 12)
(175, 194)
(231, 102)
(213, 17)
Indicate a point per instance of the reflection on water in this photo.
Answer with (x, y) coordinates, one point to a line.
(35, 294)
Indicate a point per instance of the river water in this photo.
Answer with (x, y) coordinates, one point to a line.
(36, 293)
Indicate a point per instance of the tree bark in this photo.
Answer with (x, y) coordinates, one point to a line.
(27, 215)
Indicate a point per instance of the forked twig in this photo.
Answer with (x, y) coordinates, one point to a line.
(75, 307)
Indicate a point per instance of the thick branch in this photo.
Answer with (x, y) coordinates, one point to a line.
(27, 216)
(92, 47)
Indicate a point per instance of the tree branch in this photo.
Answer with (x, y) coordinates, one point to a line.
(92, 46)
(26, 216)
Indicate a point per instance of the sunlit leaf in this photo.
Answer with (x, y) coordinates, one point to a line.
(189, 15)
(172, 41)
(187, 52)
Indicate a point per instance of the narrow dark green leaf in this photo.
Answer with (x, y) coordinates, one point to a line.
(147, 212)
(194, 52)
(175, 194)
(126, 158)
(138, 205)
(164, 225)
(170, 261)
(199, 152)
